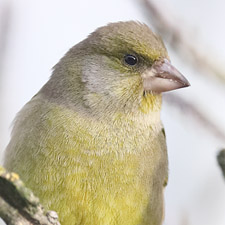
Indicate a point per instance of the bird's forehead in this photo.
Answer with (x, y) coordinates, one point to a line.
(130, 37)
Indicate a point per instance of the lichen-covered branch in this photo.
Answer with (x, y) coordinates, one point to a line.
(18, 205)
(176, 37)
(221, 160)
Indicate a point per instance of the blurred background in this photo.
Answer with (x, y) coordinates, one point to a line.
(34, 35)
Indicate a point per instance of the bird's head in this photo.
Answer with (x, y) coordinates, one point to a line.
(124, 67)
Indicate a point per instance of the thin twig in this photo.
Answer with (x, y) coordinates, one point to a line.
(192, 110)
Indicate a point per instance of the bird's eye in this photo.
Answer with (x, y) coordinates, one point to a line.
(130, 59)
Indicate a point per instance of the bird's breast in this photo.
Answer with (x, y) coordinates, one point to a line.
(92, 172)
(108, 173)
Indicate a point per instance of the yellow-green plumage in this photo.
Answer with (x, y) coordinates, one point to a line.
(92, 171)
(90, 144)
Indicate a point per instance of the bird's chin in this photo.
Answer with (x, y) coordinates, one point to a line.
(150, 102)
(150, 93)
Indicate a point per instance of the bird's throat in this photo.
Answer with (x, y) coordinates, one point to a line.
(150, 103)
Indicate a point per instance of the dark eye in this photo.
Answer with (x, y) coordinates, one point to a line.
(130, 59)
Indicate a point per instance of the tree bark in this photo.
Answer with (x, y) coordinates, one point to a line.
(18, 205)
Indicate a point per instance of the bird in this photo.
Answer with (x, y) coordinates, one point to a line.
(90, 144)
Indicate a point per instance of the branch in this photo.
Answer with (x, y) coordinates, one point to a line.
(221, 160)
(178, 39)
(18, 205)
(191, 109)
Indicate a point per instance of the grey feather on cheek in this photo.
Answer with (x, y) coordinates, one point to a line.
(97, 76)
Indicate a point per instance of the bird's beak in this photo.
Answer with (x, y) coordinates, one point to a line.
(162, 77)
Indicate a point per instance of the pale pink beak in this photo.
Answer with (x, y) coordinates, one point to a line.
(162, 77)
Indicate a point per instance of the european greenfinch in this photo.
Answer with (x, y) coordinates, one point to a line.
(90, 143)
